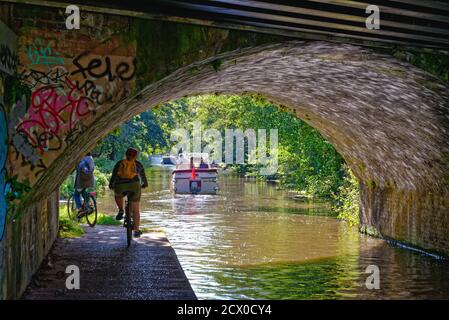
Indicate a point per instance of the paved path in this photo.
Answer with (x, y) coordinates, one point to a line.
(149, 269)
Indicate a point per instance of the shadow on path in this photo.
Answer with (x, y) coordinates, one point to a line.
(149, 269)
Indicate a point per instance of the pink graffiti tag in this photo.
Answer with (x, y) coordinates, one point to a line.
(54, 108)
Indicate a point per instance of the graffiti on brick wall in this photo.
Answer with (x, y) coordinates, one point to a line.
(25, 152)
(54, 110)
(66, 89)
(3, 159)
(102, 78)
(43, 54)
(102, 68)
(33, 78)
(99, 94)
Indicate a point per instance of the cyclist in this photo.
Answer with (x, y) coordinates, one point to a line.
(84, 180)
(129, 176)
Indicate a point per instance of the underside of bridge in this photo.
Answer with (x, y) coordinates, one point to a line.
(388, 119)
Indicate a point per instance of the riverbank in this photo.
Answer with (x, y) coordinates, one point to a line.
(148, 270)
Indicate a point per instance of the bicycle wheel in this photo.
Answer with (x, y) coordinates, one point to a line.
(129, 226)
(71, 208)
(92, 213)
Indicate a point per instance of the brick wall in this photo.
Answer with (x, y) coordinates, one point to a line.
(26, 242)
(418, 218)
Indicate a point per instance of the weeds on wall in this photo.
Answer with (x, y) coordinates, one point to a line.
(347, 200)
(15, 194)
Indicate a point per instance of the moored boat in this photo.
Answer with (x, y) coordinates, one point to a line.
(194, 175)
(168, 160)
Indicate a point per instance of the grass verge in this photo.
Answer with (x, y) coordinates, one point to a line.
(107, 220)
(68, 228)
(71, 228)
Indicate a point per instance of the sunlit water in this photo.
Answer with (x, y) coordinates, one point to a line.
(252, 241)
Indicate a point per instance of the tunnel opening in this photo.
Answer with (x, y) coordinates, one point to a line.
(246, 230)
(251, 137)
(386, 118)
(370, 106)
(259, 210)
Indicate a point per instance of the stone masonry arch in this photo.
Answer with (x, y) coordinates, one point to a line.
(388, 119)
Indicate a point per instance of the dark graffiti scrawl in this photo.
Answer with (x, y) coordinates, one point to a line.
(8, 50)
(8, 58)
(102, 67)
(34, 78)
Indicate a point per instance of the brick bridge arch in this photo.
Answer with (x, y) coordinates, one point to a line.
(388, 119)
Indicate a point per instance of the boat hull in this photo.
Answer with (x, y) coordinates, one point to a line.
(202, 181)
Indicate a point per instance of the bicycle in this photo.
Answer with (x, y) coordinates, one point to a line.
(128, 221)
(89, 210)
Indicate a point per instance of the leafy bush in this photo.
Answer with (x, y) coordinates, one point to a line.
(104, 165)
(101, 179)
(67, 187)
(347, 200)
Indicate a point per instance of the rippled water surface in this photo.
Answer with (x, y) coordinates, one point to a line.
(254, 241)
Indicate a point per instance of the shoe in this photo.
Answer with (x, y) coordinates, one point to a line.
(119, 215)
(137, 234)
(81, 213)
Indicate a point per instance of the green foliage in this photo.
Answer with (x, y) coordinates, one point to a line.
(68, 228)
(307, 162)
(71, 228)
(14, 91)
(15, 192)
(67, 187)
(434, 63)
(107, 220)
(148, 132)
(347, 200)
(216, 64)
(101, 178)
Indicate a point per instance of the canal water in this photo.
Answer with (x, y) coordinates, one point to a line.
(253, 241)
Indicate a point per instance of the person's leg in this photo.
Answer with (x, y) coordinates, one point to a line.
(86, 196)
(77, 198)
(135, 207)
(119, 202)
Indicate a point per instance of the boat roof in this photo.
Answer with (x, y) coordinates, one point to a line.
(195, 155)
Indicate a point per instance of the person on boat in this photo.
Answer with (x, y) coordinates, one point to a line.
(192, 165)
(84, 183)
(203, 165)
(128, 175)
(181, 161)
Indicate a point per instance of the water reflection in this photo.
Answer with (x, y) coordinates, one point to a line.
(254, 241)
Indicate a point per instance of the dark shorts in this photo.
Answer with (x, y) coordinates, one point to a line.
(133, 187)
